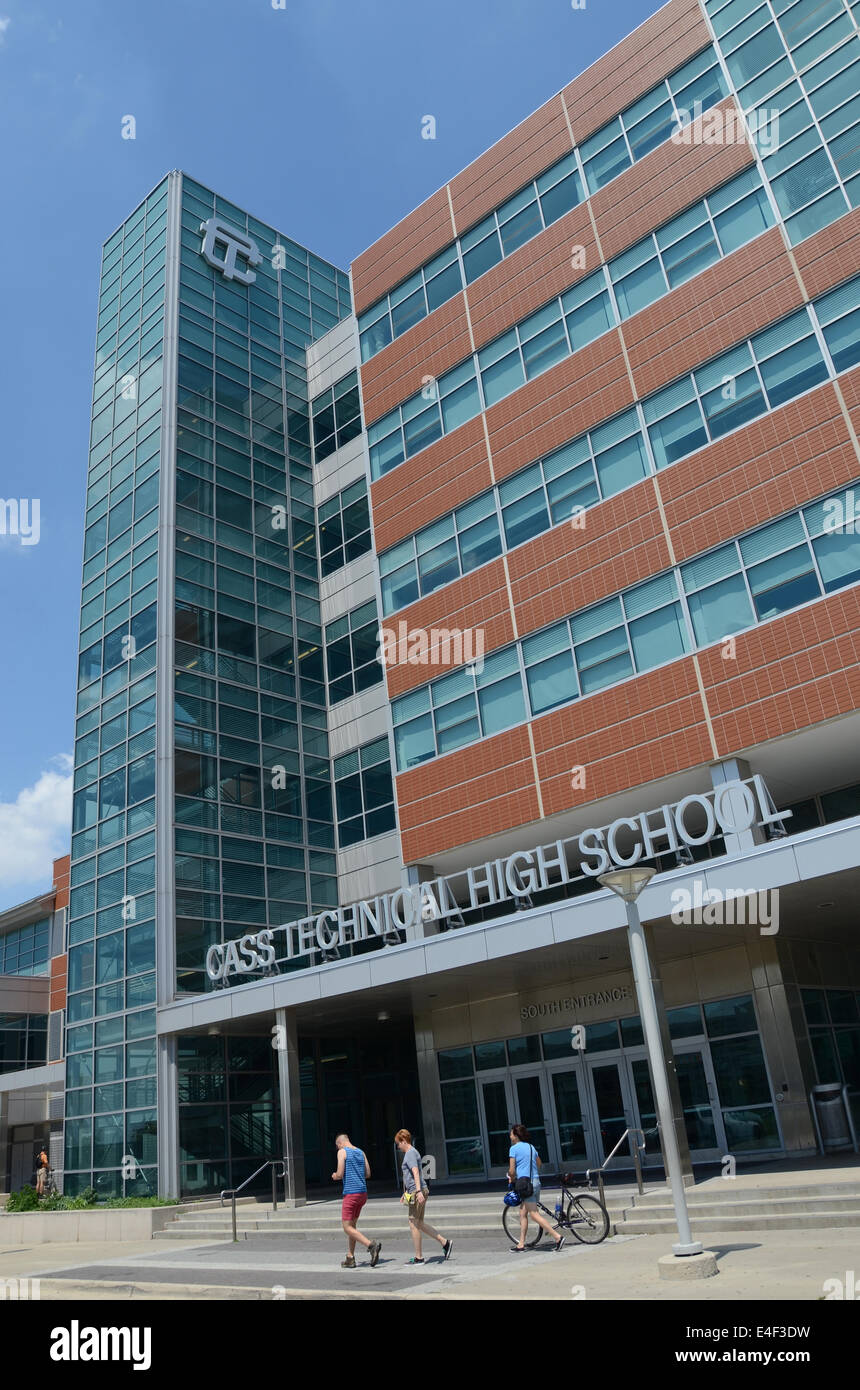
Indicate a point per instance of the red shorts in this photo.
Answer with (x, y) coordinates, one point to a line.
(351, 1207)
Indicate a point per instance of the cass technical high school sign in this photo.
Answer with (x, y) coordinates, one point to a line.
(727, 810)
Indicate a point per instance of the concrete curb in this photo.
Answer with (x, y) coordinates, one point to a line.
(105, 1290)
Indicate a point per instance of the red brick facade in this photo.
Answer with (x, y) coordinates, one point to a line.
(784, 676)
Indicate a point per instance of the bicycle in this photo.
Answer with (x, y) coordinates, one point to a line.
(585, 1216)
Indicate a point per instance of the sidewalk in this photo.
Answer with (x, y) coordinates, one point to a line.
(769, 1266)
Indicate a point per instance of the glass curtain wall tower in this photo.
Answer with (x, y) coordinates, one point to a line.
(202, 799)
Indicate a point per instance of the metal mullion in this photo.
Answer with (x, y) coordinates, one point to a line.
(822, 341)
(685, 609)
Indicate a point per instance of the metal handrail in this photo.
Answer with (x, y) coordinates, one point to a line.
(634, 1152)
(232, 1192)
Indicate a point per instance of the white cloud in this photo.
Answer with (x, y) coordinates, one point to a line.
(35, 828)
(4, 25)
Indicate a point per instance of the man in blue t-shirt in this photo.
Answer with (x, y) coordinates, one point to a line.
(353, 1170)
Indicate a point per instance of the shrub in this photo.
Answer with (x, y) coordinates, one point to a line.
(25, 1199)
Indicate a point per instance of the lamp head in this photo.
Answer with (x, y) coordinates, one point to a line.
(628, 883)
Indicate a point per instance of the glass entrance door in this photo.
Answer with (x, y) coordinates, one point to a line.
(570, 1121)
(698, 1099)
(614, 1114)
(531, 1110)
(497, 1125)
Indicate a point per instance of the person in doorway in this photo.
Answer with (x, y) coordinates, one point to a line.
(415, 1195)
(524, 1177)
(353, 1170)
(41, 1172)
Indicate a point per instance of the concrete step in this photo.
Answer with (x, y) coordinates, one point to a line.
(762, 1221)
(748, 1206)
(735, 1193)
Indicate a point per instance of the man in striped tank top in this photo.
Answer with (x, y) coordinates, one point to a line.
(353, 1170)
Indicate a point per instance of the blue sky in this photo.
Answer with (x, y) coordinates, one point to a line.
(309, 116)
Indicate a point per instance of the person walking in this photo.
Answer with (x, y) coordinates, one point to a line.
(353, 1170)
(415, 1196)
(524, 1177)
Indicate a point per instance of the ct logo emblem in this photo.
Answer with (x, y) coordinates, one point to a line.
(220, 235)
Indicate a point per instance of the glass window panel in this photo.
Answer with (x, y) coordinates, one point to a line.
(690, 255)
(414, 742)
(622, 465)
(838, 557)
(502, 377)
(551, 682)
(793, 371)
(603, 660)
(729, 406)
(720, 609)
(541, 352)
(501, 704)
(678, 434)
(480, 543)
(747, 219)
(640, 288)
(783, 582)
(658, 637)
(482, 257)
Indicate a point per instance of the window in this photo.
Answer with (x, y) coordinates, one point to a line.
(437, 554)
(769, 571)
(351, 646)
(522, 217)
(336, 416)
(25, 950)
(364, 794)
(651, 120)
(344, 527)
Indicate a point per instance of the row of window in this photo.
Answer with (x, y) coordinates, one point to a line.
(612, 149)
(722, 1018)
(757, 376)
(750, 580)
(799, 64)
(336, 416)
(23, 1040)
(25, 950)
(712, 228)
(522, 217)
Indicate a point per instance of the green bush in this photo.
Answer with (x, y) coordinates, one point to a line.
(25, 1199)
(28, 1199)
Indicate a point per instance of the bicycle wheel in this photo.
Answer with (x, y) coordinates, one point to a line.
(588, 1220)
(511, 1224)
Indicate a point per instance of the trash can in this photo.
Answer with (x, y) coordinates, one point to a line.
(831, 1117)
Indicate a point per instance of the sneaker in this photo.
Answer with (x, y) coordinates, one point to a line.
(559, 1243)
(447, 1248)
(414, 1261)
(374, 1252)
(518, 1249)
(348, 1263)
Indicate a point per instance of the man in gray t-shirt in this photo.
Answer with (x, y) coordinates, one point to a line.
(415, 1195)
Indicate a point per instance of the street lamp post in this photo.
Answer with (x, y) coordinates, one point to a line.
(628, 884)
